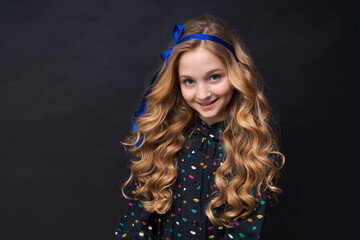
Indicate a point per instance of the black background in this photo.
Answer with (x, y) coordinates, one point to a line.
(72, 73)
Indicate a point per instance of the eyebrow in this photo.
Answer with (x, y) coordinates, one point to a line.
(207, 74)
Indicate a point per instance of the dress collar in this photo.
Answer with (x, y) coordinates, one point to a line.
(212, 131)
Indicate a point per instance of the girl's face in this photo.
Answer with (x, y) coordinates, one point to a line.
(204, 84)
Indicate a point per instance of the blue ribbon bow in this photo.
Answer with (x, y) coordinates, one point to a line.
(177, 34)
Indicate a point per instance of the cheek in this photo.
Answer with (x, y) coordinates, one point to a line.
(186, 93)
(225, 91)
(230, 93)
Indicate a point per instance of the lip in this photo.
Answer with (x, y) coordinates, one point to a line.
(205, 107)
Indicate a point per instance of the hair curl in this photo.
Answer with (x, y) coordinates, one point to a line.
(252, 160)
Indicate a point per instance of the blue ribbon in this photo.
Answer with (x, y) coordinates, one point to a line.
(177, 34)
(142, 107)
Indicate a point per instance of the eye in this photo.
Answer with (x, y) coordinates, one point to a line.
(214, 77)
(188, 81)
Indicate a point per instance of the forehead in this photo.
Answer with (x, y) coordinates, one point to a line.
(199, 61)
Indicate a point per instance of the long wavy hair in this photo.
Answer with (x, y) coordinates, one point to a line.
(252, 160)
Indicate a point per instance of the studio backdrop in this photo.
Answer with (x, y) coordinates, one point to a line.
(72, 74)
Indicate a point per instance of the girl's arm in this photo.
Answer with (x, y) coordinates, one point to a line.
(135, 222)
(251, 226)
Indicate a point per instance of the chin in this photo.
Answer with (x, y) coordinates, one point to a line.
(210, 118)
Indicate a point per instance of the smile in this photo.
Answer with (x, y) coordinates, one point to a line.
(208, 103)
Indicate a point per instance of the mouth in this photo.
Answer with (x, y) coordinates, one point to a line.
(206, 104)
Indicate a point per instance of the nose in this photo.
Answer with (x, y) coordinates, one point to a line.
(203, 92)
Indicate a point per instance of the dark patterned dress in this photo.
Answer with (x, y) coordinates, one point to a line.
(186, 219)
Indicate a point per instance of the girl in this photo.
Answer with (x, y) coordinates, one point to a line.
(205, 159)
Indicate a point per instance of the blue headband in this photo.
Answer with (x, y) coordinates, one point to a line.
(177, 34)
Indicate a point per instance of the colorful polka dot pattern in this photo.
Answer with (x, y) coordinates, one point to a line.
(186, 219)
